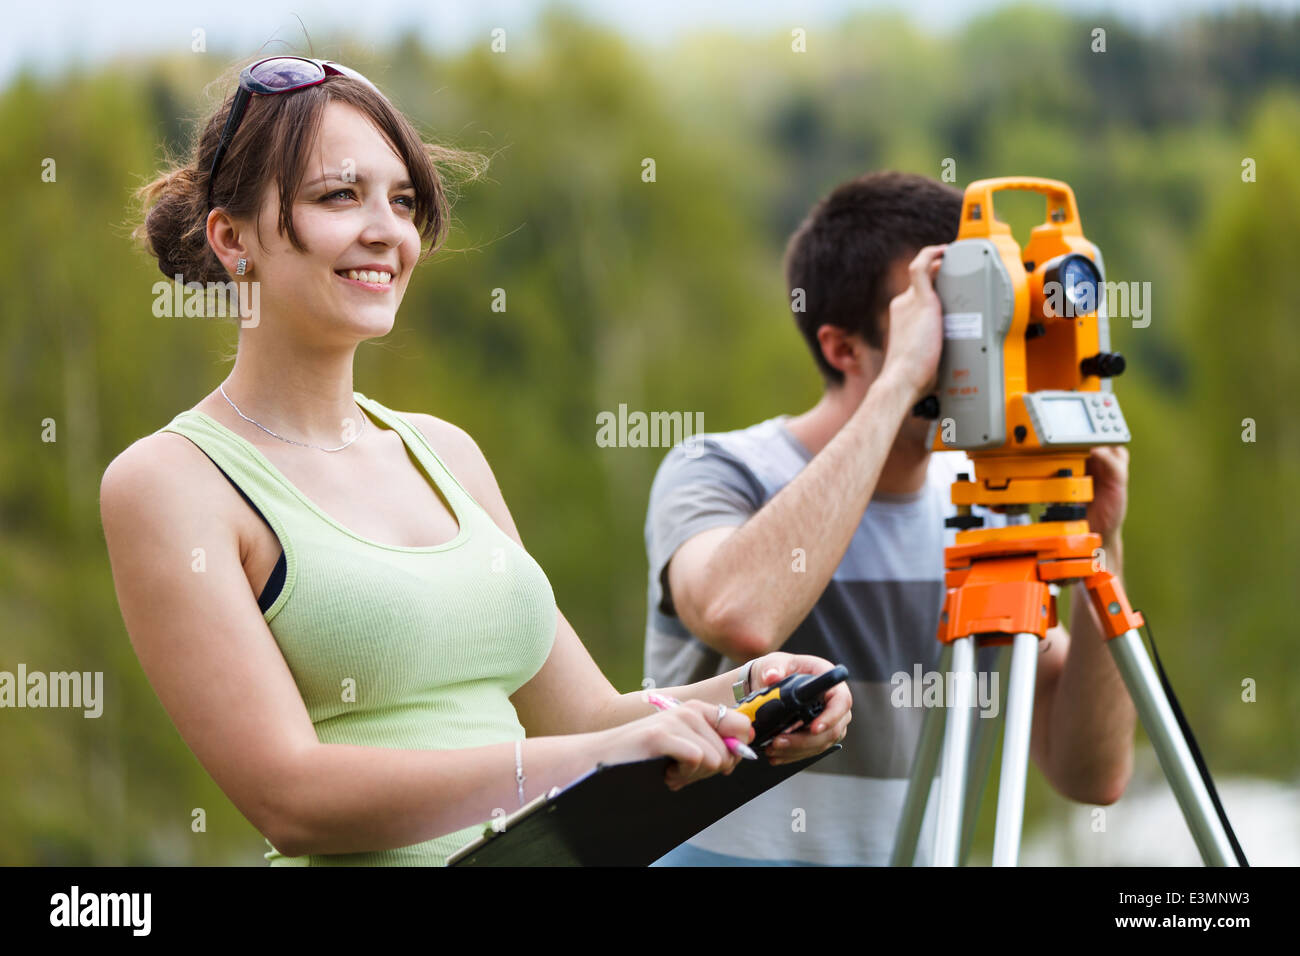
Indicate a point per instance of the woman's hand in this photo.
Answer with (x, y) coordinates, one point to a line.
(691, 734)
(828, 728)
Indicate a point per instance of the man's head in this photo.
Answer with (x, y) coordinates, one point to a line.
(849, 258)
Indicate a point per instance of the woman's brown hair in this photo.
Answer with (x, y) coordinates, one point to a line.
(272, 144)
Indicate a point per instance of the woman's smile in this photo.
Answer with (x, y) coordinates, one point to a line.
(375, 280)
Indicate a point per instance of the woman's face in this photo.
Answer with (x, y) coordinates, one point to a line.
(354, 213)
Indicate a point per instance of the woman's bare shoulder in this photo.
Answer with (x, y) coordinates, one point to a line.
(464, 459)
(165, 470)
(450, 442)
(165, 458)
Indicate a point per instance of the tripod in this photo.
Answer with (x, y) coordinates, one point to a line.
(998, 594)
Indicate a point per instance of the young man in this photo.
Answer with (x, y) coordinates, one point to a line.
(823, 534)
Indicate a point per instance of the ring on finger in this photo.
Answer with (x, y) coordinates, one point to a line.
(722, 712)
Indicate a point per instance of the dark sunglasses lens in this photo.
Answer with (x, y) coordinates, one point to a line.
(286, 73)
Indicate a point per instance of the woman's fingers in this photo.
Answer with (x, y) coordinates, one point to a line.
(735, 724)
(838, 703)
(687, 755)
(706, 736)
(701, 721)
(830, 726)
(788, 746)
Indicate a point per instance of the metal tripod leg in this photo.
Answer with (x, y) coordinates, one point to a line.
(986, 733)
(958, 697)
(957, 819)
(1171, 748)
(922, 777)
(1015, 749)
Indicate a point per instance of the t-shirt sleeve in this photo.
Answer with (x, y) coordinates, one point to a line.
(691, 494)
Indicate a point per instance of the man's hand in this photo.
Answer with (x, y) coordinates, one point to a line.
(915, 338)
(829, 727)
(1108, 465)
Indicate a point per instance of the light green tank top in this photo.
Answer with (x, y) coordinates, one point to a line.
(410, 648)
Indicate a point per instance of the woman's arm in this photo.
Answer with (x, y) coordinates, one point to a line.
(547, 703)
(570, 694)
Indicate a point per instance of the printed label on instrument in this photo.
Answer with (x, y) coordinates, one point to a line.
(963, 325)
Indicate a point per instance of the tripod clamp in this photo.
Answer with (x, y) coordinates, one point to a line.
(998, 579)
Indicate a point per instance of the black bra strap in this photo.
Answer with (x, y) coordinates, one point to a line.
(276, 581)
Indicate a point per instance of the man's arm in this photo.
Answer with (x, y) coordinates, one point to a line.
(733, 588)
(1084, 719)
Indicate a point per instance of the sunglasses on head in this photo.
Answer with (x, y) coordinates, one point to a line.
(276, 74)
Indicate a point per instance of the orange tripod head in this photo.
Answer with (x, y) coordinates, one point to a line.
(1024, 379)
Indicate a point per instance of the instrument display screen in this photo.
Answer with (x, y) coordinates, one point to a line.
(1067, 416)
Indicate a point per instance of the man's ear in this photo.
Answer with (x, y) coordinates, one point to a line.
(848, 352)
(838, 348)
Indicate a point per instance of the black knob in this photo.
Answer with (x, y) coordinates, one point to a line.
(1103, 364)
(927, 407)
(1063, 512)
(963, 522)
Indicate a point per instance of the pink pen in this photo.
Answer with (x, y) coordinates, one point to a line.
(734, 745)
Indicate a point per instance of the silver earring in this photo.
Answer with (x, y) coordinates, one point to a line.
(241, 266)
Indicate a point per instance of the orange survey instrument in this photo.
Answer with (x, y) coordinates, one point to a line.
(1024, 389)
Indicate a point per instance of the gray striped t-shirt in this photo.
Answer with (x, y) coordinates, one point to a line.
(878, 617)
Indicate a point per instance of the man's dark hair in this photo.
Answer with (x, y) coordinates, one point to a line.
(841, 254)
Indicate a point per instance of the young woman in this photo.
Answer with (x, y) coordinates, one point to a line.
(328, 596)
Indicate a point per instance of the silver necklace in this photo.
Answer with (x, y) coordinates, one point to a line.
(221, 388)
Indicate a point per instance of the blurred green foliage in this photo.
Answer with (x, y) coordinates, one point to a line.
(664, 296)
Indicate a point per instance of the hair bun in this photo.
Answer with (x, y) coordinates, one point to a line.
(175, 226)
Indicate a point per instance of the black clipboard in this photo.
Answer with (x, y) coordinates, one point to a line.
(620, 815)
